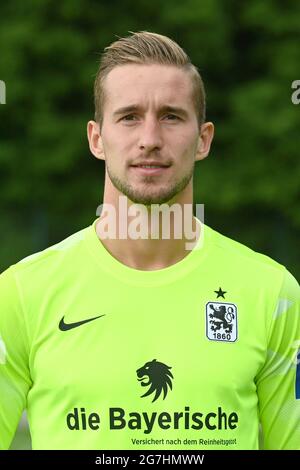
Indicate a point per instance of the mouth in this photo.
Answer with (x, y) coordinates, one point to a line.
(147, 169)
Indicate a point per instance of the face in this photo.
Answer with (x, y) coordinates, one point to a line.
(150, 137)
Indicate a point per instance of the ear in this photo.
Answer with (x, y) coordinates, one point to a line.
(204, 141)
(95, 140)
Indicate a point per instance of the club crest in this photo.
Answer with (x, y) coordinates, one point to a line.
(221, 321)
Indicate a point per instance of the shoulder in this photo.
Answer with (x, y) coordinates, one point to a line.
(253, 266)
(50, 257)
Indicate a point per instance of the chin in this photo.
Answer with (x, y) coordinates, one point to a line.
(149, 200)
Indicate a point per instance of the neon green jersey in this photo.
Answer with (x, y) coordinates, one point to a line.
(193, 356)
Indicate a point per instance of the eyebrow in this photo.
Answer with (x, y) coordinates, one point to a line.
(163, 109)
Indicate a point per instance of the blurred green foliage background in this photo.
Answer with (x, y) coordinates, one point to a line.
(248, 54)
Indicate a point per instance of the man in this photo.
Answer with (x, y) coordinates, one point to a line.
(121, 337)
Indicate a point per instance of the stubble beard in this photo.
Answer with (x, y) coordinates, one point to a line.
(148, 195)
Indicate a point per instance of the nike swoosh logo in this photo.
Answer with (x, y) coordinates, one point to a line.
(69, 326)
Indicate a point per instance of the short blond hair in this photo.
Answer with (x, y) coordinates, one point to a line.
(143, 48)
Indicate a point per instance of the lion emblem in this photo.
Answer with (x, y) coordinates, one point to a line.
(221, 318)
(159, 378)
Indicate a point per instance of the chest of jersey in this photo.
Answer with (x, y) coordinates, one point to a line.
(172, 360)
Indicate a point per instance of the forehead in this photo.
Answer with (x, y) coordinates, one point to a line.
(132, 83)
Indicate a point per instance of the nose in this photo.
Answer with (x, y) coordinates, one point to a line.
(150, 137)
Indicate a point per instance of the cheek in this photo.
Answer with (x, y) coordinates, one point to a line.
(193, 145)
(118, 143)
(111, 148)
(186, 142)
(188, 152)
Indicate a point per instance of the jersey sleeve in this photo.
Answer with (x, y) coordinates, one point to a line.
(14, 353)
(278, 382)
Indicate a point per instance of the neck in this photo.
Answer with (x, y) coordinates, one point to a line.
(148, 237)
